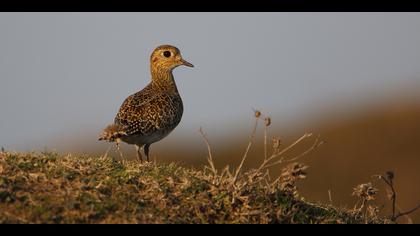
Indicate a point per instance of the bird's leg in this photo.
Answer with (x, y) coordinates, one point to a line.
(117, 144)
(146, 151)
(139, 156)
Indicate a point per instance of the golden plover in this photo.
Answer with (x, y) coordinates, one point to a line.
(152, 113)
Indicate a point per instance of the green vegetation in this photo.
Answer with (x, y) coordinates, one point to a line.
(48, 188)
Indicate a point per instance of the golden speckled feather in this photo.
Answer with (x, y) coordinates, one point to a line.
(149, 111)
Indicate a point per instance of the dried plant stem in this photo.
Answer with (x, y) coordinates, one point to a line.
(356, 208)
(106, 153)
(265, 141)
(272, 157)
(315, 145)
(390, 183)
(261, 173)
(251, 140)
(330, 196)
(393, 197)
(210, 156)
(407, 212)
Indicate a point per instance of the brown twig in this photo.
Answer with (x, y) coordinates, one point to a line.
(407, 212)
(389, 181)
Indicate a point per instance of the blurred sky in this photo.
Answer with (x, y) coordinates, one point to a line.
(63, 74)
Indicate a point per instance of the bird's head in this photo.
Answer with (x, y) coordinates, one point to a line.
(166, 57)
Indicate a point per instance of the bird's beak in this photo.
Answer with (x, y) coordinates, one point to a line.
(186, 63)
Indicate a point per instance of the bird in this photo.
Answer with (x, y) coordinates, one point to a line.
(154, 112)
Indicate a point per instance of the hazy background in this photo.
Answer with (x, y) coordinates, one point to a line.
(351, 77)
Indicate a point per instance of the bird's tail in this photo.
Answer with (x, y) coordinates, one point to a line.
(111, 133)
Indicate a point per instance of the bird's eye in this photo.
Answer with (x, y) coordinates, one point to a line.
(167, 53)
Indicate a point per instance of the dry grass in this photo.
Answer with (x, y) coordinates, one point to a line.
(48, 188)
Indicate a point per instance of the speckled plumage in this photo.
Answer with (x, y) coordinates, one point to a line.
(152, 113)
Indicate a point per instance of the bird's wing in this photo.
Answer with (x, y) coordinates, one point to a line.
(137, 115)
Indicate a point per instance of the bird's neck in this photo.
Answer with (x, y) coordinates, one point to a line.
(164, 80)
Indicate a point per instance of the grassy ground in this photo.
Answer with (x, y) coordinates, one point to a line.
(48, 188)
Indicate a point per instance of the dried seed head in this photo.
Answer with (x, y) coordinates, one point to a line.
(390, 175)
(267, 121)
(276, 143)
(365, 191)
(298, 170)
(257, 113)
(290, 176)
